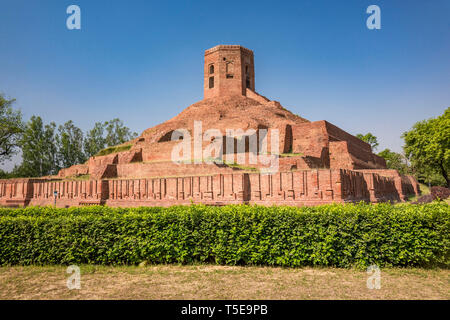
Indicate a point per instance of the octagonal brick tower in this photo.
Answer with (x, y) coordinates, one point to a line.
(229, 70)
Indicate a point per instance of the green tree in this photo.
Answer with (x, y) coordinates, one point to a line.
(429, 176)
(39, 149)
(369, 138)
(117, 133)
(11, 127)
(70, 145)
(4, 174)
(427, 144)
(395, 161)
(95, 140)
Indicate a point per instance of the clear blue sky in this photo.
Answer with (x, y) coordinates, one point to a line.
(142, 61)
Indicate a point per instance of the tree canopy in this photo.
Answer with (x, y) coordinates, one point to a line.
(11, 127)
(395, 161)
(39, 150)
(117, 133)
(70, 145)
(427, 145)
(369, 138)
(47, 148)
(95, 140)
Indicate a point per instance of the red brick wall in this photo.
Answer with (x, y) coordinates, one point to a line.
(302, 187)
(75, 170)
(404, 185)
(310, 139)
(325, 145)
(337, 134)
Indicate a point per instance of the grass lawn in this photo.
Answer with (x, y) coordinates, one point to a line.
(220, 282)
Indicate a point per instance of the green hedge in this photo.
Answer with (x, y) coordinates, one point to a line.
(330, 235)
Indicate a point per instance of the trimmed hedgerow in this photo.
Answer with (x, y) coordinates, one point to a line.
(330, 235)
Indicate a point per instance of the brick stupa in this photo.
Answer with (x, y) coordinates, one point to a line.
(318, 163)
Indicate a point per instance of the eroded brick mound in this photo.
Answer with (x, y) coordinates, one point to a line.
(229, 112)
(220, 113)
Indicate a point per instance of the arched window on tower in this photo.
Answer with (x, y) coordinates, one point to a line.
(247, 78)
(230, 70)
(288, 139)
(211, 69)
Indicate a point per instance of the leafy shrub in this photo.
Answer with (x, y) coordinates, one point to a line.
(330, 235)
(440, 192)
(425, 199)
(436, 193)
